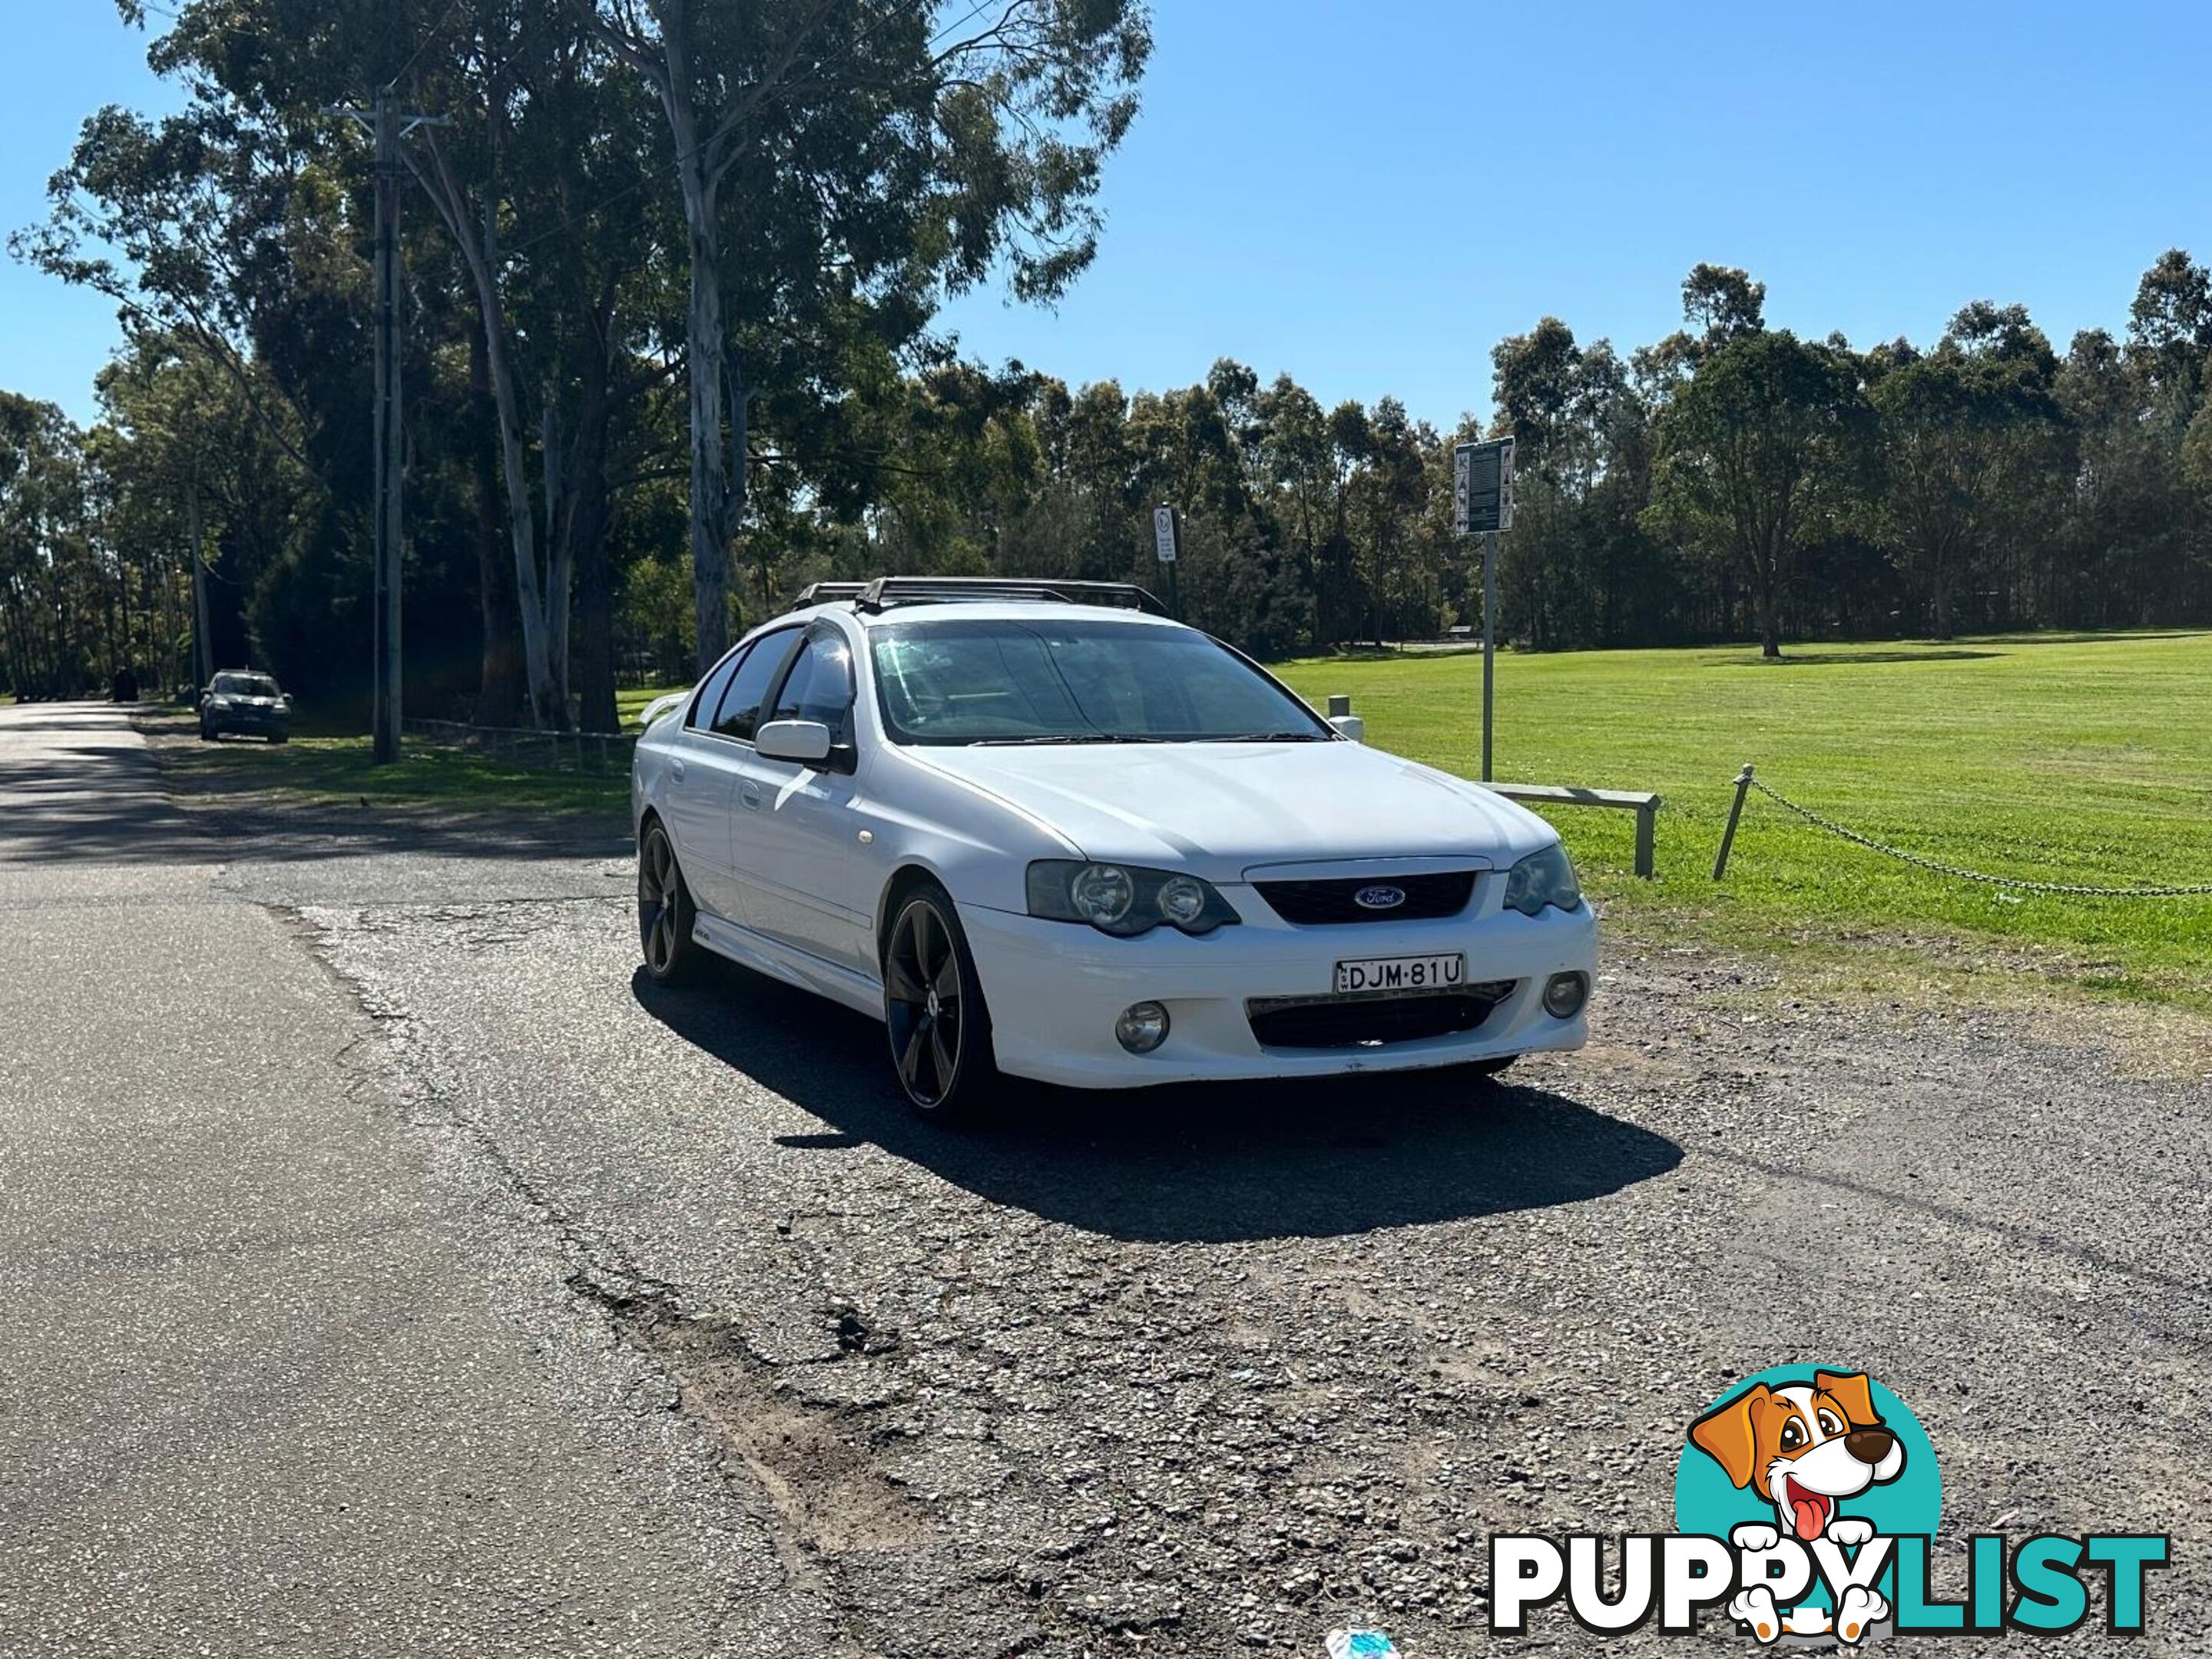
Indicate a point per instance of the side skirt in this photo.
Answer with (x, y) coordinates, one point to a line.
(792, 966)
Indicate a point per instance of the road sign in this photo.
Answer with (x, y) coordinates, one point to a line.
(1165, 539)
(1482, 487)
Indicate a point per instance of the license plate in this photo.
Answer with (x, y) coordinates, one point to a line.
(1401, 974)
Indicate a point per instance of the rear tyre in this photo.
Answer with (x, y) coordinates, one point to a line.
(664, 911)
(279, 737)
(940, 1031)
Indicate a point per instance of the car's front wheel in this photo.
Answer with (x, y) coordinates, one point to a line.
(665, 913)
(940, 1031)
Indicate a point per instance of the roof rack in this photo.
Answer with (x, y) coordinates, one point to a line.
(886, 590)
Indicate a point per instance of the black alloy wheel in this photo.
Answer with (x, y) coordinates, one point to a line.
(664, 911)
(941, 1032)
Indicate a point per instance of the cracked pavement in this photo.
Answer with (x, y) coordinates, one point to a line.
(756, 1363)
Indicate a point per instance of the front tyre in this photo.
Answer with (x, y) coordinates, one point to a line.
(664, 911)
(940, 1031)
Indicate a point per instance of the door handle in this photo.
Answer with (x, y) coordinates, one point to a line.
(751, 797)
(676, 771)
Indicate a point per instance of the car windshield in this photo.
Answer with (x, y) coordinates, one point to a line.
(1074, 681)
(246, 685)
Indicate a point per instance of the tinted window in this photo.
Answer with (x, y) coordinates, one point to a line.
(246, 685)
(741, 704)
(1061, 681)
(819, 686)
(710, 693)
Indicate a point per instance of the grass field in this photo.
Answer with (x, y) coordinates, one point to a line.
(2037, 757)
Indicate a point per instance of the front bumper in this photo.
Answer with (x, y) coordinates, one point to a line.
(1056, 989)
(248, 719)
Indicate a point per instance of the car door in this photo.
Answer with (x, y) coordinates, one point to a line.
(718, 739)
(695, 796)
(795, 826)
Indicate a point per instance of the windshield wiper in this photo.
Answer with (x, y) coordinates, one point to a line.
(1080, 736)
(1265, 736)
(1022, 743)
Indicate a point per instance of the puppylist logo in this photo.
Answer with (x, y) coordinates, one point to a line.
(1807, 1501)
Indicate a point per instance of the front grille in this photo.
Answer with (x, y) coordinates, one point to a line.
(1358, 1021)
(1324, 903)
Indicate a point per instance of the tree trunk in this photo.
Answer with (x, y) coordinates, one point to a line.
(479, 245)
(710, 479)
(1940, 582)
(203, 636)
(499, 687)
(594, 640)
(1770, 633)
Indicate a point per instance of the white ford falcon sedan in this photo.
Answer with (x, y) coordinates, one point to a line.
(1039, 829)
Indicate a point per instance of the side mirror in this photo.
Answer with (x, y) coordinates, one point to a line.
(806, 741)
(1350, 726)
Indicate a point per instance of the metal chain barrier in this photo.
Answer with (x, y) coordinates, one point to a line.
(1746, 780)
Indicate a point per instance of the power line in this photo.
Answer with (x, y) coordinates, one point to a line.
(423, 44)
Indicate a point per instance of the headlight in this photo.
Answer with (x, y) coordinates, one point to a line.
(1125, 900)
(1543, 878)
(1101, 894)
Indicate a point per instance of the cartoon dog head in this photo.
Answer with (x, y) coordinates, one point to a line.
(1802, 1448)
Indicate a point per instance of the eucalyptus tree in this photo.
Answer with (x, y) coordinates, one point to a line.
(2169, 335)
(45, 622)
(1969, 464)
(534, 161)
(1769, 441)
(841, 163)
(537, 167)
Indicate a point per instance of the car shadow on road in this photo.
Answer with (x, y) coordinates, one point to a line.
(1210, 1163)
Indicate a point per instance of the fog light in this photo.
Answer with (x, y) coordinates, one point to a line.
(1565, 994)
(1142, 1028)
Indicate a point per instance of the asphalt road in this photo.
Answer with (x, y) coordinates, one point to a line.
(356, 1164)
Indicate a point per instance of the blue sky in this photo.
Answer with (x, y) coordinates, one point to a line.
(1368, 196)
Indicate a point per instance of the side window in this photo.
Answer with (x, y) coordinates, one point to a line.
(739, 715)
(710, 693)
(819, 686)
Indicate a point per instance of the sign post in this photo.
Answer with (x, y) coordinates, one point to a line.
(1482, 505)
(1167, 542)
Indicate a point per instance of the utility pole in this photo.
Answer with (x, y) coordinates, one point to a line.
(387, 126)
(389, 436)
(203, 636)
